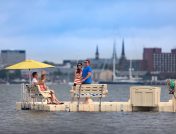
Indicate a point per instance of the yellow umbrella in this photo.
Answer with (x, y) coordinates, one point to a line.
(28, 65)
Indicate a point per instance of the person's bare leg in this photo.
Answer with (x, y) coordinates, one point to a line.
(54, 99)
(88, 100)
(49, 101)
(72, 93)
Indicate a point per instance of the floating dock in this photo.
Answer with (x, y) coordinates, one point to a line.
(142, 98)
(94, 107)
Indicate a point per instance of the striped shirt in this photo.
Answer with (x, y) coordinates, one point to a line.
(78, 78)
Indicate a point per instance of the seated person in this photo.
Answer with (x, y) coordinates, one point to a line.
(34, 78)
(43, 88)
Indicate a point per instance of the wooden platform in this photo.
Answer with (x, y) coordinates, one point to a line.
(142, 98)
(72, 107)
(94, 107)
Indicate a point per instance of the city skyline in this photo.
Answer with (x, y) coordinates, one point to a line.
(57, 30)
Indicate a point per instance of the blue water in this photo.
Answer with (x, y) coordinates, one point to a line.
(24, 122)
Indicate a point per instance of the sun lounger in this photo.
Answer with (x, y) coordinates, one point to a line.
(36, 94)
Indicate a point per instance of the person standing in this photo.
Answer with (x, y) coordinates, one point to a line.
(87, 73)
(77, 80)
(78, 75)
(87, 77)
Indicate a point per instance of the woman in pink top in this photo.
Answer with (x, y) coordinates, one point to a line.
(78, 75)
(77, 79)
(43, 87)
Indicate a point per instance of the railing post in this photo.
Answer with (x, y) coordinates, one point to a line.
(22, 100)
(79, 98)
(101, 98)
(21, 92)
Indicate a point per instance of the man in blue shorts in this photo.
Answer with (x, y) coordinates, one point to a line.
(87, 73)
(87, 77)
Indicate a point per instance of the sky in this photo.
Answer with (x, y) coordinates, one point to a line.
(55, 30)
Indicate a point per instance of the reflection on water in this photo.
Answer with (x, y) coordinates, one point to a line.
(13, 121)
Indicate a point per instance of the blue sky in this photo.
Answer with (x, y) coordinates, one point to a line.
(70, 29)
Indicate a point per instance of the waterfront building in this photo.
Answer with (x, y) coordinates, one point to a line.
(165, 62)
(99, 75)
(159, 61)
(9, 57)
(148, 54)
(161, 65)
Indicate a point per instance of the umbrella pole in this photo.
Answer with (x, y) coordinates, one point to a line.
(30, 77)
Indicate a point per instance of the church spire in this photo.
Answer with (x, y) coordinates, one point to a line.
(123, 49)
(114, 54)
(97, 53)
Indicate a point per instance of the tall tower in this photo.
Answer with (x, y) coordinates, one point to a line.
(123, 63)
(123, 50)
(97, 53)
(114, 59)
(114, 54)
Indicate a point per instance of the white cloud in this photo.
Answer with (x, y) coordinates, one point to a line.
(57, 48)
(62, 30)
